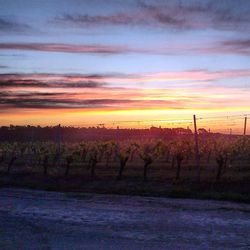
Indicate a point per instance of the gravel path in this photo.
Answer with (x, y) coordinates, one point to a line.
(49, 220)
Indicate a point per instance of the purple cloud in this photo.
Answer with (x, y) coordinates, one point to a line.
(7, 26)
(66, 48)
(225, 15)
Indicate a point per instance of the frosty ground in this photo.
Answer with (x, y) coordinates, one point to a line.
(32, 219)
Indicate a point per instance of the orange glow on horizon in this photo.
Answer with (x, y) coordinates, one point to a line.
(128, 118)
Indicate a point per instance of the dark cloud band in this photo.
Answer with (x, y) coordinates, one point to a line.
(66, 48)
(8, 26)
(223, 15)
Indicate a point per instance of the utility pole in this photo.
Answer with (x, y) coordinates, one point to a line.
(197, 157)
(59, 139)
(245, 126)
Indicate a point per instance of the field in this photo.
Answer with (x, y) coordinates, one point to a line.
(145, 167)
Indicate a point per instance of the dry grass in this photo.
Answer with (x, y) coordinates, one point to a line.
(234, 185)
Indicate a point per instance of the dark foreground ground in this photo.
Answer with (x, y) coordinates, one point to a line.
(51, 220)
(229, 189)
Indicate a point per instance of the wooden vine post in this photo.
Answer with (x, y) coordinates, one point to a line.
(245, 126)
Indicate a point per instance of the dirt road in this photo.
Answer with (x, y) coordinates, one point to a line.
(49, 220)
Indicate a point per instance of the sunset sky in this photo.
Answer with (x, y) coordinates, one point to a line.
(89, 62)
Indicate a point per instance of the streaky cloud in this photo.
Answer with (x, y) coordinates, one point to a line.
(9, 26)
(50, 81)
(66, 48)
(25, 94)
(52, 103)
(242, 46)
(237, 47)
(177, 15)
(100, 81)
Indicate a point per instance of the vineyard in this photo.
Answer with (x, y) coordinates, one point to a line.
(132, 161)
(147, 159)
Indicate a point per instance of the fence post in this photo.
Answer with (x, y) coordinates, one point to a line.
(197, 157)
(245, 126)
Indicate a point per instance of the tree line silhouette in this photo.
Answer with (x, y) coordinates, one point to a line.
(76, 134)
